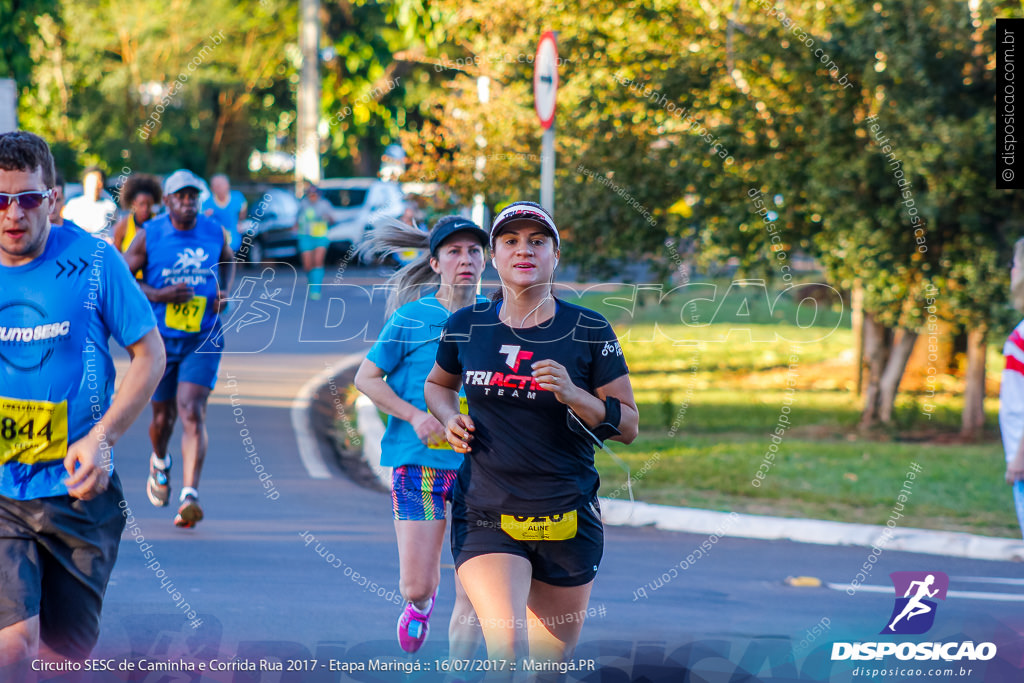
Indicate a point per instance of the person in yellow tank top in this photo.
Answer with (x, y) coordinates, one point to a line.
(140, 193)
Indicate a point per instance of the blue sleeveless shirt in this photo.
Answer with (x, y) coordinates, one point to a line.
(189, 256)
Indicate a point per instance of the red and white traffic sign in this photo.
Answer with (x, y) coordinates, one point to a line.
(545, 79)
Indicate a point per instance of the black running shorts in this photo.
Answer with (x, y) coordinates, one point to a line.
(570, 562)
(56, 555)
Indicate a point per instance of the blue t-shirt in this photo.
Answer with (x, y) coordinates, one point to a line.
(405, 351)
(524, 459)
(57, 377)
(190, 256)
(227, 216)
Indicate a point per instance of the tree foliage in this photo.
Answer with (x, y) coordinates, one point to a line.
(17, 25)
(151, 87)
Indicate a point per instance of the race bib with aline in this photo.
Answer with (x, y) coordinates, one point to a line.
(32, 431)
(187, 316)
(318, 229)
(559, 527)
(443, 443)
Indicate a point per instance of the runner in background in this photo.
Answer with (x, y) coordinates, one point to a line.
(227, 207)
(545, 380)
(1011, 390)
(60, 496)
(315, 216)
(392, 376)
(93, 210)
(178, 253)
(138, 197)
(57, 204)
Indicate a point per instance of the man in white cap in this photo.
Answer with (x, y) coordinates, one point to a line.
(180, 254)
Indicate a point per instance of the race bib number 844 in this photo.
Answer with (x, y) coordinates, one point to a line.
(32, 431)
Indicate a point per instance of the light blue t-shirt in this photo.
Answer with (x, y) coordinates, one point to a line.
(227, 216)
(405, 351)
(57, 313)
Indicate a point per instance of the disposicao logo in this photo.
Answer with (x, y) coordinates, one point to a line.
(913, 614)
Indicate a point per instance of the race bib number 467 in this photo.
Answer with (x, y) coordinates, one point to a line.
(32, 431)
(188, 316)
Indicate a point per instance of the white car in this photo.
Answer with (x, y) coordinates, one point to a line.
(358, 202)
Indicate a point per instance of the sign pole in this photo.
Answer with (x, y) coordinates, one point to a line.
(547, 170)
(545, 91)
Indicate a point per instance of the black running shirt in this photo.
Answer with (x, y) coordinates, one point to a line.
(524, 459)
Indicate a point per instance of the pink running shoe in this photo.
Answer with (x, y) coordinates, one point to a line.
(413, 627)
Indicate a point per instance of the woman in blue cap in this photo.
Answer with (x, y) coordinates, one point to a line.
(392, 376)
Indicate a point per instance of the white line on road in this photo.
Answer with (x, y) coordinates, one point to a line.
(998, 597)
(989, 579)
(309, 451)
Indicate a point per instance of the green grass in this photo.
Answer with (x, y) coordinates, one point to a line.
(711, 384)
(960, 488)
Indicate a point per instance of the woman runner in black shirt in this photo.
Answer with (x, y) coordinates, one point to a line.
(526, 527)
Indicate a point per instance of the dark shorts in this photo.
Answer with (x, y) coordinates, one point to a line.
(56, 555)
(189, 359)
(420, 493)
(572, 562)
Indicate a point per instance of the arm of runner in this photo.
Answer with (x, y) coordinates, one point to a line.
(227, 273)
(370, 381)
(441, 392)
(1015, 468)
(120, 228)
(136, 254)
(85, 461)
(553, 377)
(174, 294)
(135, 257)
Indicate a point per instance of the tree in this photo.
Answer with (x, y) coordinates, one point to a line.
(847, 116)
(623, 157)
(372, 85)
(123, 85)
(895, 193)
(19, 23)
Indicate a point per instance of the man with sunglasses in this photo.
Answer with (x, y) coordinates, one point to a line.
(188, 266)
(63, 294)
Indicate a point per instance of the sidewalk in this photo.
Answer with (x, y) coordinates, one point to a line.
(697, 521)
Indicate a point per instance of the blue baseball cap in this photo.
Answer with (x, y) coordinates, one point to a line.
(448, 226)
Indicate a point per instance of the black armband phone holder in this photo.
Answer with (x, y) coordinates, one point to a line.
(606, 429)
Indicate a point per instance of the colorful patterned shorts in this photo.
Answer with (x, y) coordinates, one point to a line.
(419, 493)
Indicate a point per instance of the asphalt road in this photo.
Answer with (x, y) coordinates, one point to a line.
(290, 567)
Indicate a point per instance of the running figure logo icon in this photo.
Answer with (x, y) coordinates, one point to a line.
(191, 258)
(255, 310)
(914, 613)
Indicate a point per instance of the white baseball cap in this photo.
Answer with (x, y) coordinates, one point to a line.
(524, 211)
(181, 179)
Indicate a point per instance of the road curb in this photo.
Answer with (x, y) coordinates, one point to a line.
(821, 532)
(347, 447)
(364, 463)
